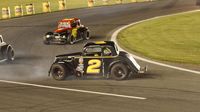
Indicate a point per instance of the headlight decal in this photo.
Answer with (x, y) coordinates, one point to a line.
(48, 36)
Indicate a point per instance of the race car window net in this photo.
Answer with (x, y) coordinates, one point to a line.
(107, 51)
(110, 50)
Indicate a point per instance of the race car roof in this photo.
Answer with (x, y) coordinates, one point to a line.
(111, 43)
(69, 20)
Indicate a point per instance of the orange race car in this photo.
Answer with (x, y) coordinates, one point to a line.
(68, 31)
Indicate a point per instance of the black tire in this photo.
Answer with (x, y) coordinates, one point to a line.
(119, 71)
(64, 42)
(71, 40)
(59, 71)
(47, 40)
(86, 35)
(4, 51)
(8, 53)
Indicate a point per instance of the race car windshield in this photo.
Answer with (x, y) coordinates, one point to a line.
(63, 25)
(93, 50)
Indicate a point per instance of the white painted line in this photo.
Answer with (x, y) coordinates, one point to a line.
(114, 36)
(73, 90)
(3, 60)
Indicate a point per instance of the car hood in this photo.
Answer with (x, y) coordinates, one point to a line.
(60, 30)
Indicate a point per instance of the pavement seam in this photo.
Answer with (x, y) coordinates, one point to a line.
(114, 36)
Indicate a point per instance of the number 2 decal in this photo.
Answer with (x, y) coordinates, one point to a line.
(94, 66)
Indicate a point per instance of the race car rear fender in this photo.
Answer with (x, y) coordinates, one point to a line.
(5, 48)
(130, 66)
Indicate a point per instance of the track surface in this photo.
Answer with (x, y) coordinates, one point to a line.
(166, 90)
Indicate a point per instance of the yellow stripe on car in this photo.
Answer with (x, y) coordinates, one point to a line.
(100, 42)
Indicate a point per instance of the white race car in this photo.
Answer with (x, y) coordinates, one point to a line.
(6, 51)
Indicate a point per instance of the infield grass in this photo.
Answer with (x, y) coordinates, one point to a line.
(175, 38)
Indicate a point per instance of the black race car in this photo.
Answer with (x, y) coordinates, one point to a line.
(6, 51)
(97, 59)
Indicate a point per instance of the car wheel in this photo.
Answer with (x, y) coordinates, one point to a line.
(64, 42)
(10, 54)
(119, 71)
(59, 71)
(87, 35)
(71, 40)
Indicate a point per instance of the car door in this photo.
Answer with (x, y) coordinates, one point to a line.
(93, 62)
(93, 65)
(108, 57)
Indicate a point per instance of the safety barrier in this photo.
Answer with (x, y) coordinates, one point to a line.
(6, 13)
(62, 4)
(46, 6)
(119, 1)
(91, 3)
(105, 2)
(18, 10)
(30, 9)
(58, 4)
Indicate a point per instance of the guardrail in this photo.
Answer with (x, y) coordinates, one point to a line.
(6, 12)
(62, 4)
(16, 9)
(30, 9)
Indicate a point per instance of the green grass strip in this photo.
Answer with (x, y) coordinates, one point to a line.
(175, 38)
